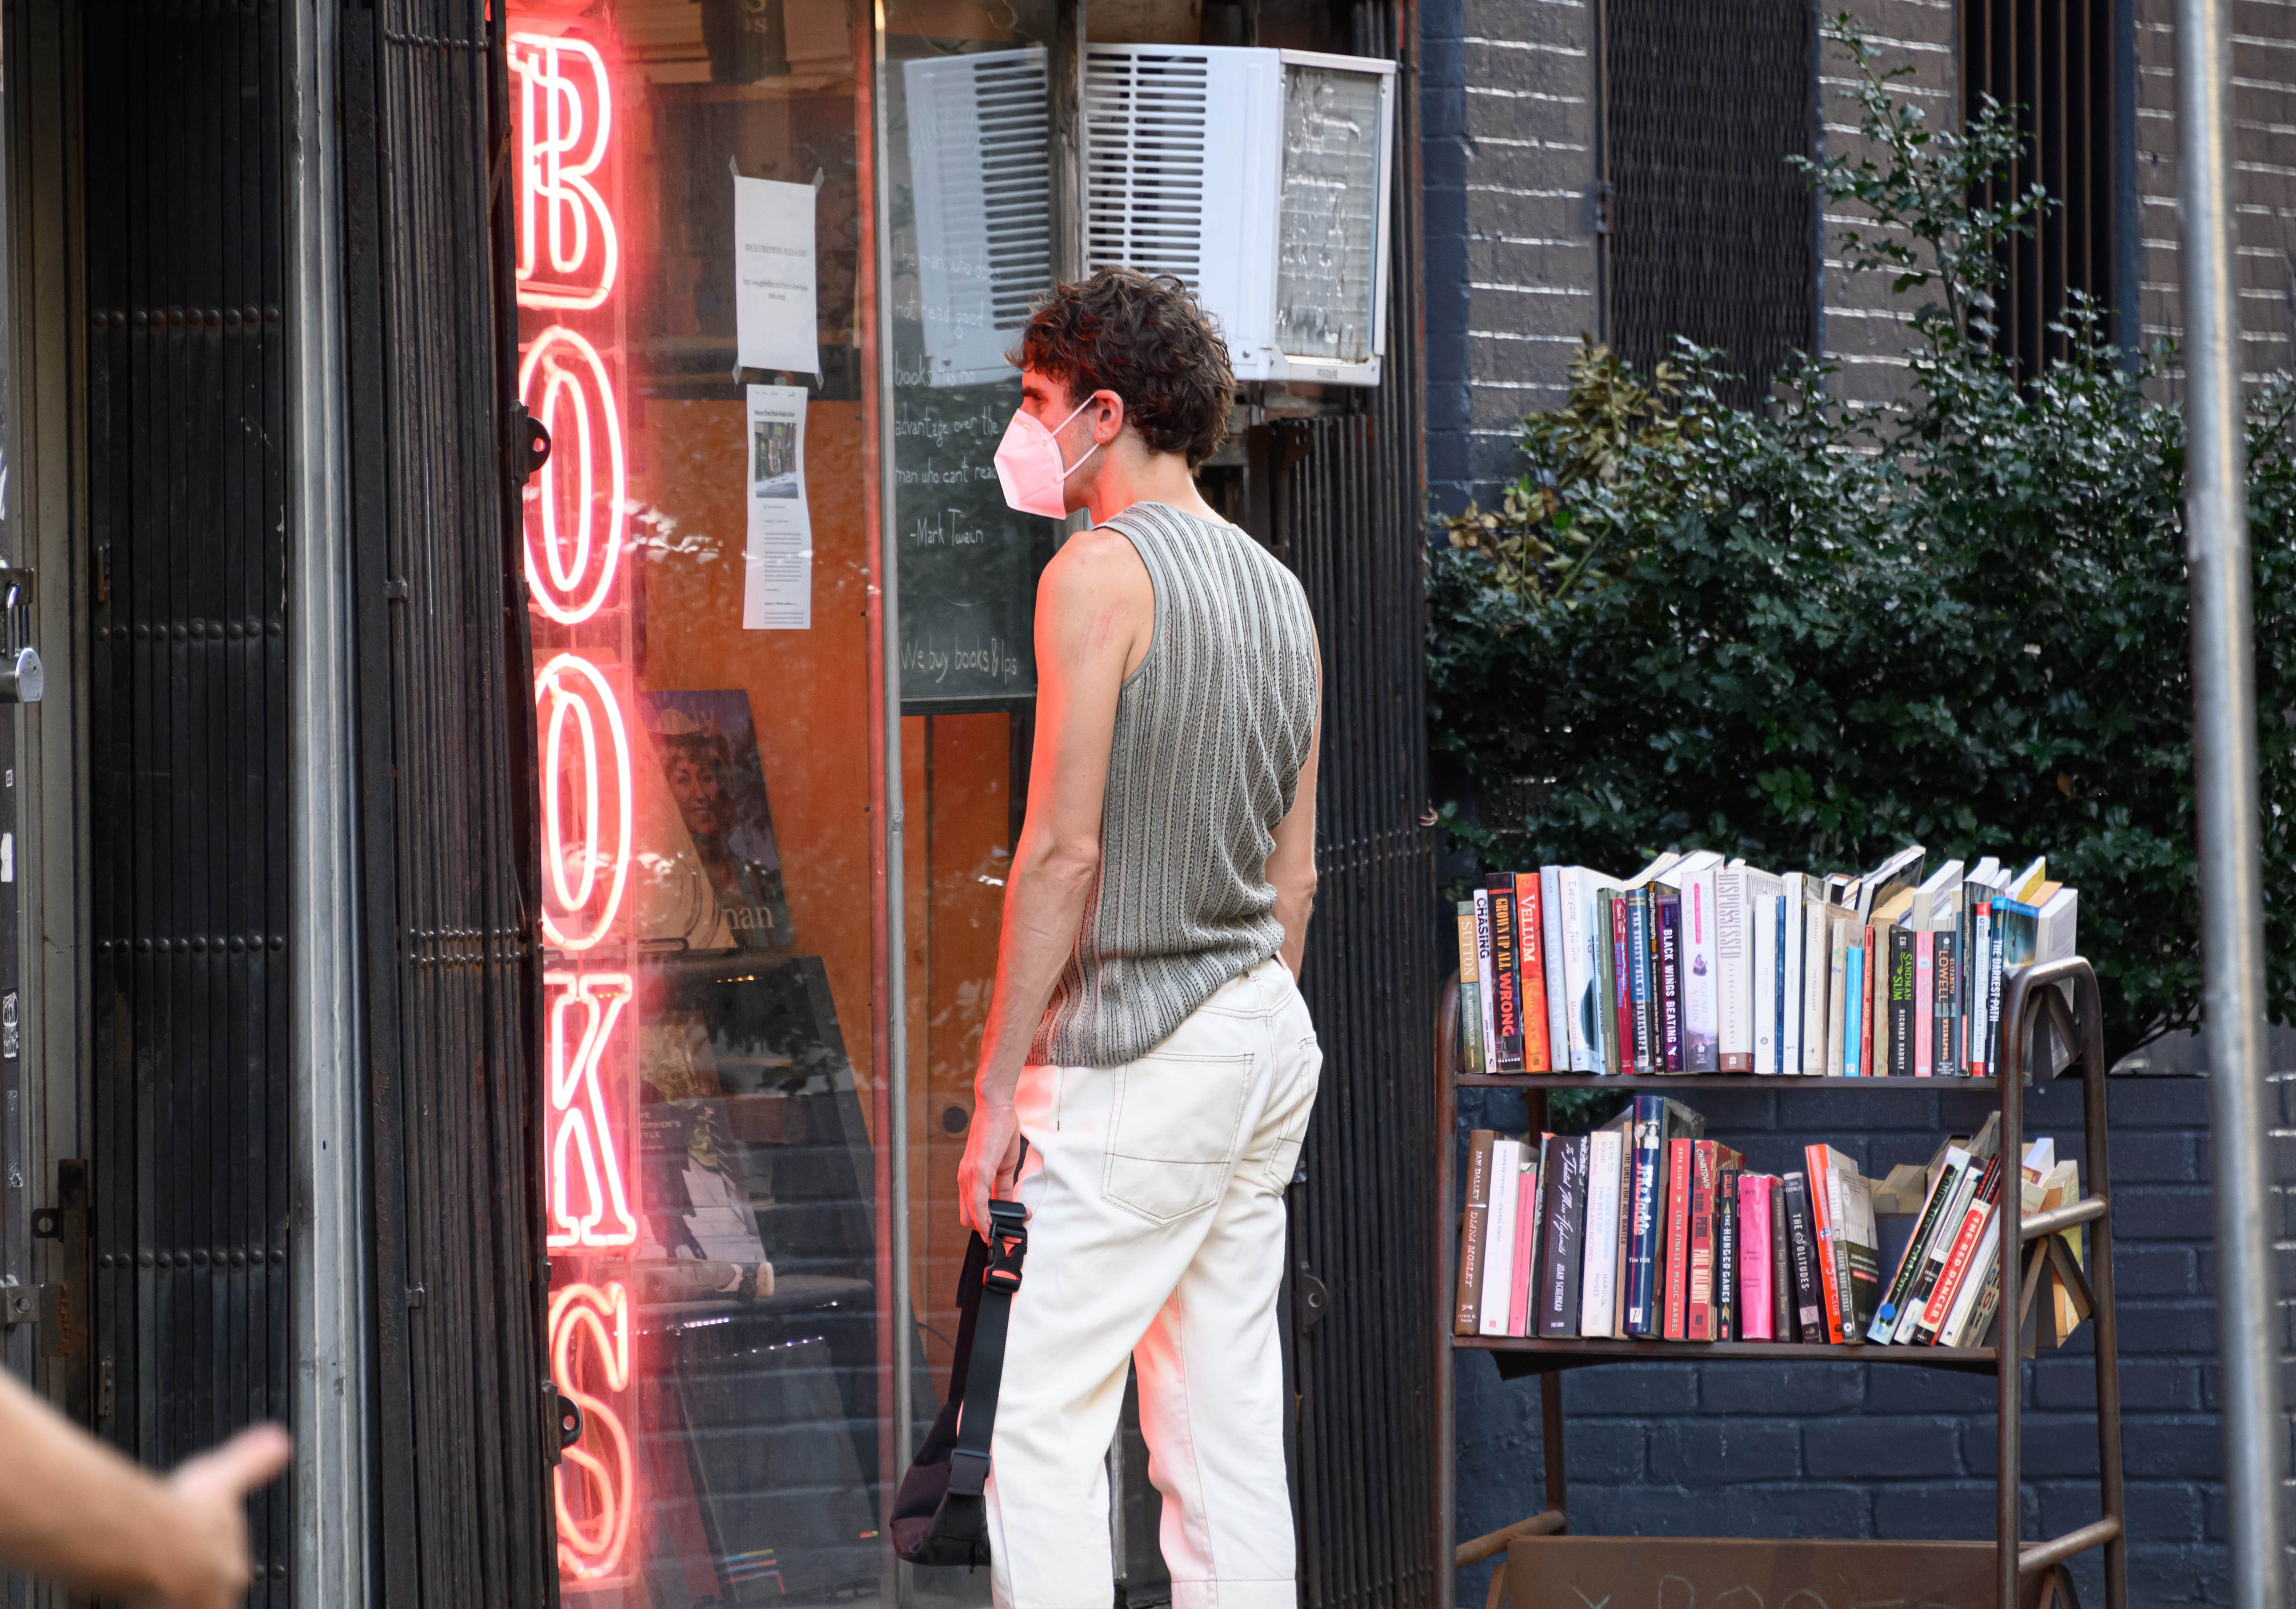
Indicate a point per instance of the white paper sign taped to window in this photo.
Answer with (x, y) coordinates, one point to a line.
(777, 559)
(773, 322)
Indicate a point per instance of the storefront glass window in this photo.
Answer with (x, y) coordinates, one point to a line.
(697, 554)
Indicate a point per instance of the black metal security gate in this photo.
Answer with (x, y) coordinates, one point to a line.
(1345, 512)
(462, 1510)
(1712, 235)
(185, 1187)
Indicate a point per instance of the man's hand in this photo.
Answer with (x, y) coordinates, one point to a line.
(210, 1493)
(991, 1165)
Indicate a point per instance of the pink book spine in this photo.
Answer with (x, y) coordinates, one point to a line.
(1753, 1257)
(1924, 1000)
(1526, 1236)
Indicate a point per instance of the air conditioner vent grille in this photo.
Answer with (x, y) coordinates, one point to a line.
(1145, 118)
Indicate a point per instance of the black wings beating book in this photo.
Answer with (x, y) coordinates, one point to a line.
(1666, 925)
(1561, 1246)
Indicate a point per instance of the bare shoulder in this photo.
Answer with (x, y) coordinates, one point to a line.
(1095, 595)
(1098, 570)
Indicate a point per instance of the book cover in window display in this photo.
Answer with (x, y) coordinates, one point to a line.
(723, 850)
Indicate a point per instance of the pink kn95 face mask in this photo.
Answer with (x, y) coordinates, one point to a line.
(1029, 464)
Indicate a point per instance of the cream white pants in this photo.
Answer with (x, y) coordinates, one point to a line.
(1155, 1193)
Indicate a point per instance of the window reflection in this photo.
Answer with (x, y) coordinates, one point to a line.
(715, 1311)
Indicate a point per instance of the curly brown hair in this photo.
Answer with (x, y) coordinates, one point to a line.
(1144, 338)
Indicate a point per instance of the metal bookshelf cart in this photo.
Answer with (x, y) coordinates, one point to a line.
(2020, 1567)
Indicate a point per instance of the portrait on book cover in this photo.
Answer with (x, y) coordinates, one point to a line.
(706, 743)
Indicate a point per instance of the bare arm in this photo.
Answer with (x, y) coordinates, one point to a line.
(1291, 863)
(1096, 612)
(72, 1509)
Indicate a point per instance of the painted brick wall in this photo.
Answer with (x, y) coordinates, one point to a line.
(1512, 280)
(1862, 322)
(1883, 1451)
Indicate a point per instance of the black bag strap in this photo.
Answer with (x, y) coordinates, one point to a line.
(992, 1274)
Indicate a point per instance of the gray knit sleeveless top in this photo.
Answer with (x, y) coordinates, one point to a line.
(1211, 731)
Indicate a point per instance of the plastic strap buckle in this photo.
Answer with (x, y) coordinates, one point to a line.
(1008, 1245)
(968, 1473)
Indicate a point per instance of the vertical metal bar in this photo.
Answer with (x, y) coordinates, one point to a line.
(2008, 1220)
(892, 984)
(1446, 1416)
(2224, 763)
(327, 1239)
(2103, 1314)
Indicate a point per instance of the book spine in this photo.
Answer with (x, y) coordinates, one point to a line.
(1733, 985)
(1923, 1002)
(1638, 968)
(1698, 993)
(1530, 946)
(1532, 967)
(1726, 1253)
(1550, 950)
(1625, 1213)
(1869, 1030)
(1973, 992)
(1837, 1246)
(1753, 1238)
(1815, 982)
(1597, 1293)
(1471, 1018)
(1677, 1238)
(1783, 1055)
(1782, 1311)
(1621, 1059)
(1946, 1230)
(1821, 1226)
(1471, 1227)
(1884, 1327)
(1667, 915)
(1947, 1058)
(1526, 1243)
(1646, 1228)
(1837, 968)
(1853, 995)
(1506, 981)
(1564, 1188)
(1801, 1249)
(1484, 997)
(1964, 1247)
(1993, 997)
(1902, 972)
(1956, 1331)
(1498, 1238)
(1700, 1313)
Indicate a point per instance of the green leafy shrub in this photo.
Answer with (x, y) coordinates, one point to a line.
(1809, 635)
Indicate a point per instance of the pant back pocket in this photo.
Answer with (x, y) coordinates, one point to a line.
(1173, 1137)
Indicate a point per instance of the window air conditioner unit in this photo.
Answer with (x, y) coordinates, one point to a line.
(980, 177)
(1260, 179)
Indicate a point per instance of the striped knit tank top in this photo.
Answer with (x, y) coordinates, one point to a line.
(1211, 731)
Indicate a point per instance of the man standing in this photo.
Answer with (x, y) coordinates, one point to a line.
(1146, 1034)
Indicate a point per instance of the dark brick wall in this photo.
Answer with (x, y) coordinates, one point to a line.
(1853, 1450)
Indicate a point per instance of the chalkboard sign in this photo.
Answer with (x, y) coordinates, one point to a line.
(971, 246)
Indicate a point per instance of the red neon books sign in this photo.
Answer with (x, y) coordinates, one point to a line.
(569, 265)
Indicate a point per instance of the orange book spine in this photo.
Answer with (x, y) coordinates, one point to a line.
(1531, 949)
(1821, 1217)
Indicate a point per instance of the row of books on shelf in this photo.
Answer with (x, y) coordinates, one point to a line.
(1645, 1229)
(1697, 964)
